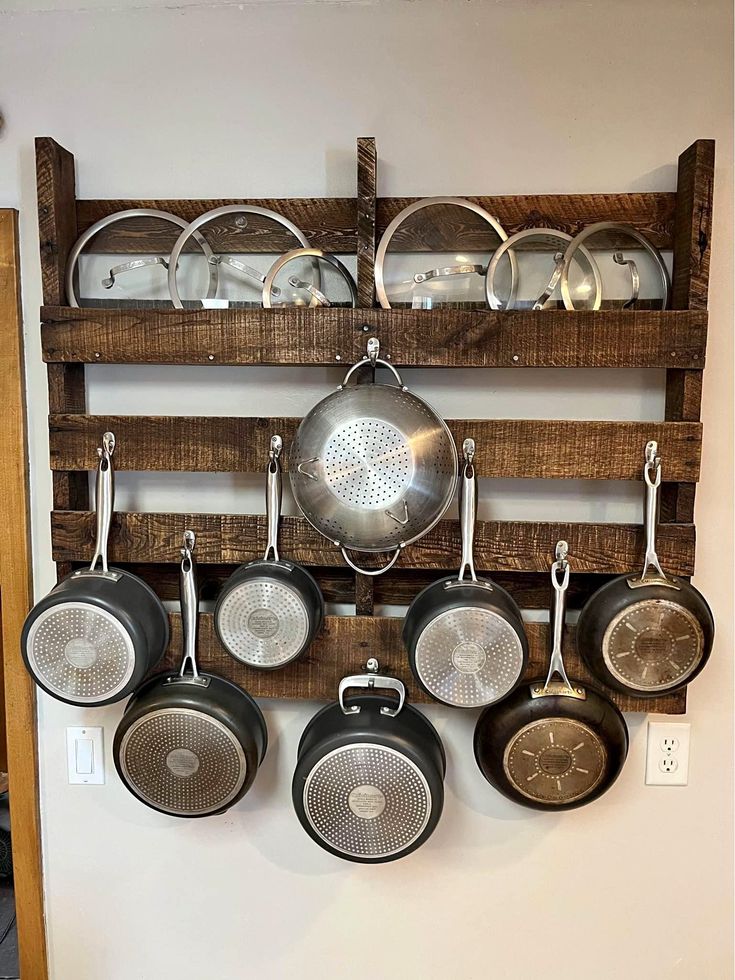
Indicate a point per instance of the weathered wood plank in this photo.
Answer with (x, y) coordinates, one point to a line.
(521, 448)
(693, 226)
(499, 545)
(367, 188)
(57, 228)
(331, 223)
(431, 338)
(344, 647)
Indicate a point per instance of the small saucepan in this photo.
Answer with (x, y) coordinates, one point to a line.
(464, 636)
(189, 744)
(269, 610)
(96, 635)
(647, 635)
(552, 745)
(369, 781)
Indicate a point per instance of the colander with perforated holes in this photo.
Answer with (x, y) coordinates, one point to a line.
(189, 744)
(464, 635)
(100, 630)
(369, 780)
(372, 466)
(269, 610)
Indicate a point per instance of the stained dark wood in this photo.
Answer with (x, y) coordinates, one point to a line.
(329, 223)
(693, 226)
(364, 595)
(499, 545)
(57, 226)
(528, 448)
(438, 338)
(367, 188)
(345, 645)
(67, 393)
(653, 214)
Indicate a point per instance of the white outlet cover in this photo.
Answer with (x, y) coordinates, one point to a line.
(667, 753)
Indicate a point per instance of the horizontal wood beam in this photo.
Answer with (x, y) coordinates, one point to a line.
(331, 223)
(499, 545)
(345, 645)
(436, 338)
(507, 448)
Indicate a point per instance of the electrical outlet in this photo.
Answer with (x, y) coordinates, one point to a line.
(667, 754)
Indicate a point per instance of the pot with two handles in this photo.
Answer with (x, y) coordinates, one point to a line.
(369, 781)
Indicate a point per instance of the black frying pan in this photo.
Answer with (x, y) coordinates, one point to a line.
(95, 636)
(269, 610)
(552, 745)
(646, 635)
(465, 638)
(189, 744)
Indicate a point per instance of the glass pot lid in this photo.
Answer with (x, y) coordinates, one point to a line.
(539, 254)
(122, 260)
(632, 270)
(435, 253)
(241, 242)
(308, 277)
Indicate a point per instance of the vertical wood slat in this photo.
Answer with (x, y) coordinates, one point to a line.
(16, 596)
(57, 231)
(690, 282)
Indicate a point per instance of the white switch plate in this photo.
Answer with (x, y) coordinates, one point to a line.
(667, 753)
(85, 756)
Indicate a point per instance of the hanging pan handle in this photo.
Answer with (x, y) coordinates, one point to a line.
(467, 510)
(273, 489)
(105, 498)
(372, 359)
(189, 604)
(373, 681)
(560, 583)
(372, 571)
(652, 573)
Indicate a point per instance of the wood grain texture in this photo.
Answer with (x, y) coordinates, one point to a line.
(329, 223)
(693, 226)
(438, 338)
(520, 448)
(367, 188)
(16, 597)
(67, 393)
(57, 226)
(653, 214)
(332, 223)
(344, 647)
(499, 545)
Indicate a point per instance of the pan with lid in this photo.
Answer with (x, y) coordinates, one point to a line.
(552, 745)
(269, 610)
(369, 780)
(189, 744)
(465, 638)
(99, 631)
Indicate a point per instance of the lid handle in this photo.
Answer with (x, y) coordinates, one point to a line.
(635, 279)
(189, 604)
(104, 499)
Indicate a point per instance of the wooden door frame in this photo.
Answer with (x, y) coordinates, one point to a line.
(16, 597)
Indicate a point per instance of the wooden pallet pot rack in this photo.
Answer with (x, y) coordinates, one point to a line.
(515, 553)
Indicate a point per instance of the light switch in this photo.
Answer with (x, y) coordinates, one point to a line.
(85, 756)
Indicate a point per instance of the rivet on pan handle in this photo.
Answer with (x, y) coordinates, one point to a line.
(372, 680)
(105, 498)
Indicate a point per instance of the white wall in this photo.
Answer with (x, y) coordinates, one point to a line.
(266, 99)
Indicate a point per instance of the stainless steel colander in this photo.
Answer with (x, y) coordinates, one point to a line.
(373, 467)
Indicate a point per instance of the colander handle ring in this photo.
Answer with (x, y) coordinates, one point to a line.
(372, 359)
(372, 571)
